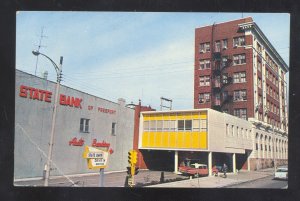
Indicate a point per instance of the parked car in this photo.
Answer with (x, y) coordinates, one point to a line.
(281, 173)
(192, 168)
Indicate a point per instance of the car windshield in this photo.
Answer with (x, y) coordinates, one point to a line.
(281, 170)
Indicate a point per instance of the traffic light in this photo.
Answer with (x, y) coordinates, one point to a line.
(129, 157)
(132, 157)
(136, 171)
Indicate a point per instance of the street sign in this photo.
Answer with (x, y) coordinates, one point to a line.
(97, 158)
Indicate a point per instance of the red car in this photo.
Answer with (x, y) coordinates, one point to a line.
(196, 169)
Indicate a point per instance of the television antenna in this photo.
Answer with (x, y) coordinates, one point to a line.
(39, 47)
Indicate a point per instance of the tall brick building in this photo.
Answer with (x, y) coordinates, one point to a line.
(238, 71)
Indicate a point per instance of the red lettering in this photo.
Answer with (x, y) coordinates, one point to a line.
(62, 99)
(72, 102)
(48, 96)
(42, 92)
(77, 102)
(30, 92)
(36, 94)
(23, 91)
(68, 102)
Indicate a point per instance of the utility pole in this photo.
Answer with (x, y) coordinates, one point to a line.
(58, 71)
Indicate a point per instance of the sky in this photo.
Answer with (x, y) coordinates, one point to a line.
(130, 55)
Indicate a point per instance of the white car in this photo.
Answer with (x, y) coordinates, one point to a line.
(281, 173)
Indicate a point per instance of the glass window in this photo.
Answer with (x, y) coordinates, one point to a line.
(217, 46)
(172, 125)
(196, 125)
(225, 78)
(207, 64)
(224, 43)
(202, 64)
(152, 125)
(159, 125)
(239, 77)
(146, 125)
(243, 76)
(239, 41)
(204, 47)
(84, 125)
(241, 113)
(203, 124)
(166, 125)
(258, 65)
(239, 59)
(188, 125)
(180, 125)
(113, 128)
(201, 79)
(224, 61)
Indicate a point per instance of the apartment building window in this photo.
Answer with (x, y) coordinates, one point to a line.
(268, 89)
(267, 73)
(259, 82)
(240, 95)
(113, 128)
(225, 78)
(217, 46)
(204, 47)
(224, 61)
(204, 64)
(258, 48)
(259, 99)
(258, 65)
(239, 59)
(271, 92)
(205, 80)
(224, 43)
(227, 129)
(241, 113)
(84, 125)
(239, 77)
(204, 97)
(239, 41)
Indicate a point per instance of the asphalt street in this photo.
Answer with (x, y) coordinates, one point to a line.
(266, 182)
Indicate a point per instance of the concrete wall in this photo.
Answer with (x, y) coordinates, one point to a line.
(221, 140)
(33, 120)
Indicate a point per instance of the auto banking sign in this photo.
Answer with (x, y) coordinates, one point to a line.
(96, 158)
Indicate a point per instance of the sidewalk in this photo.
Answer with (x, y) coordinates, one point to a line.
(219, 181)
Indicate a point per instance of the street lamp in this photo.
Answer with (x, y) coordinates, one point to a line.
(58, 70)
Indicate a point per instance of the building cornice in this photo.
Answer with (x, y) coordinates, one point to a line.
(254, 28)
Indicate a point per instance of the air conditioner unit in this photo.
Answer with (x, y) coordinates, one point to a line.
(201, 51)
(235, 46)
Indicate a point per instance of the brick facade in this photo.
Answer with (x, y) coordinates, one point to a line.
(218, 32)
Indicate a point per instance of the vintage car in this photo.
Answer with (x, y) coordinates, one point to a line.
(281, 173)
(195, 169)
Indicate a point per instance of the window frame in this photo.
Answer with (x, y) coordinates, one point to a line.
(84, 125)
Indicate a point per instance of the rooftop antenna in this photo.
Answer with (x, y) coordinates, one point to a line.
(39, 47)
(162, 99)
